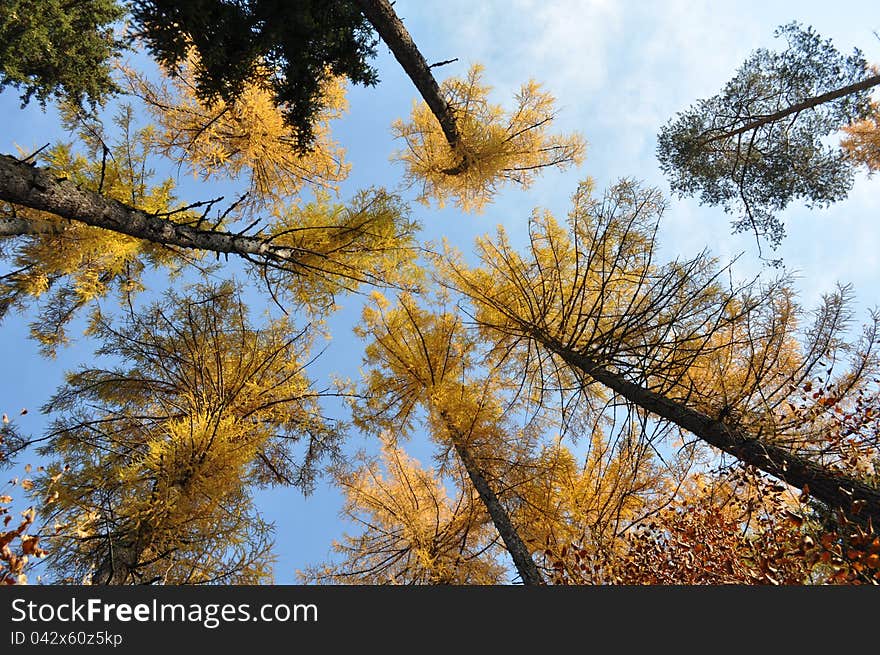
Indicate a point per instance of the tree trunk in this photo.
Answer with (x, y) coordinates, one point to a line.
(116, 566)
(390, 28)
(123, 557)
(837, 490)
(522, 558)
(37, 188)
(865, 84)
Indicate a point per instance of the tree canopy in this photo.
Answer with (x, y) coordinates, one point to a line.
(561, 401)
(760, 143)
(303, 45)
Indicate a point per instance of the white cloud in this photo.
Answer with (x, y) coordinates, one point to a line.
(620, 70)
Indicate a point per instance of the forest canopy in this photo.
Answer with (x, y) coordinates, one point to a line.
(300, 251)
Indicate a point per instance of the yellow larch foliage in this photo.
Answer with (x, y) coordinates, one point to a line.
(246, 138)
(414, 357)
(496, 147)
(197, 464)
(342, 246)
(423, 367)
(862, 141)
(578, 283)
(595, 501)
(164, 453)
(753, 348)
(64, 265)
(414, 532)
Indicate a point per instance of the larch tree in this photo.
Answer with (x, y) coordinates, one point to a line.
(483, 145)
(63, 266)
(519, 488)
(761, 143)
(726, 364)
(157, 457)
(422, 361)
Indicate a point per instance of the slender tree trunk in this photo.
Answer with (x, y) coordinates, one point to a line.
(837, 490)
(390, 28)
(865, 84)
(123, 556)
(522, 558)
(117, 565)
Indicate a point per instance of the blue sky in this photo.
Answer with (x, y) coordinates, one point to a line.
(620, 70)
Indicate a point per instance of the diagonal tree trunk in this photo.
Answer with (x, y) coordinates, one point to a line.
(390, 28)
(522, 558)
(37, 188)
(837, 490)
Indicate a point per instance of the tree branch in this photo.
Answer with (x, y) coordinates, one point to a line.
(863, 85)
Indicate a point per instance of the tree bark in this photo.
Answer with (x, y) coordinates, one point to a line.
(36, 188)
(865, 84)
(837, 490)
(522, 558)
(391, 30)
